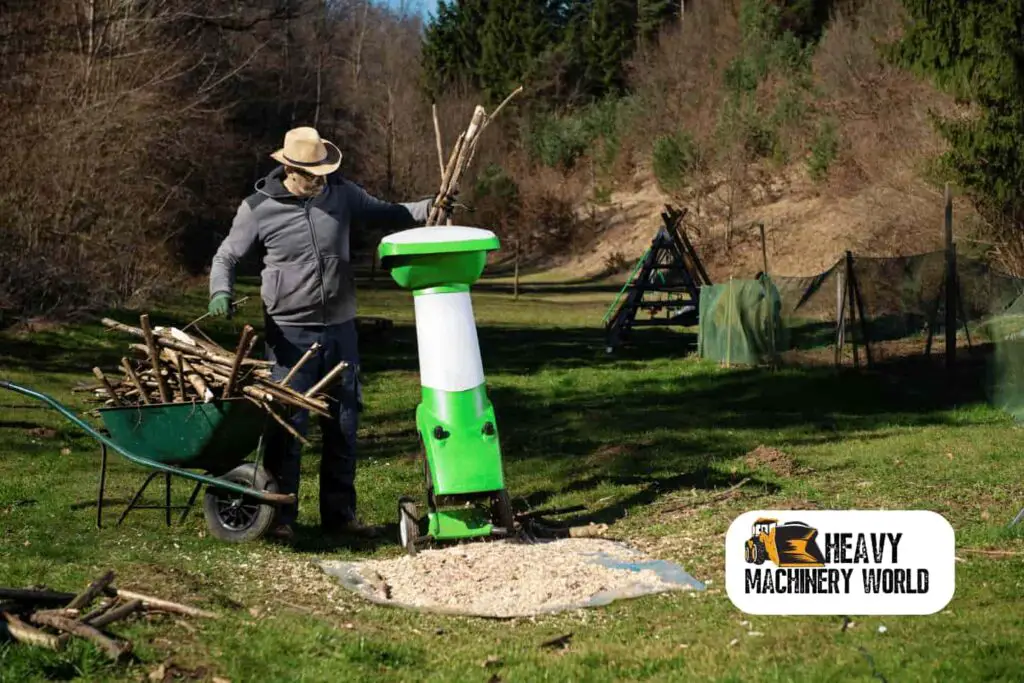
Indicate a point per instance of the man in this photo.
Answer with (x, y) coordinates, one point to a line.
(302, 213)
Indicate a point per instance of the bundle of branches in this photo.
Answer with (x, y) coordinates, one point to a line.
(460, 158)
(173, 366)
(50, 619)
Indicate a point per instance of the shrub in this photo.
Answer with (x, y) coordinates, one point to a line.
(674, 157)
(560, 141)
(823, 150)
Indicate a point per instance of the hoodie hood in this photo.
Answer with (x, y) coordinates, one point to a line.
(272, 185)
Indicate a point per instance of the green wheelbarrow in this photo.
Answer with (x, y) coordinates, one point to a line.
(207, 443)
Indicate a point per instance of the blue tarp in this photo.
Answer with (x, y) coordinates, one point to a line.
(670, 573)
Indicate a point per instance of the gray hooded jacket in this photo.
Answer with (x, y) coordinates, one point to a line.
(307, 278)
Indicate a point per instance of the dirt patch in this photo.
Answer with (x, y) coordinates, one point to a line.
(771, 459)
(509, 579)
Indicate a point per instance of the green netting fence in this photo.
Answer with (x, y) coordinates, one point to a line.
(741, 322)
(861, 310)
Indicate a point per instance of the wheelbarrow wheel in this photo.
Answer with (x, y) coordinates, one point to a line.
(237, 518)
(408, 525)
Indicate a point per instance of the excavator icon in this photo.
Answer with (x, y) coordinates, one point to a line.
(792, 544)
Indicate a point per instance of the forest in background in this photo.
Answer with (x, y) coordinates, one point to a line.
(133, 128)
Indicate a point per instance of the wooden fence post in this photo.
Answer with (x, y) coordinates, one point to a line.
(951, 284)
(840, 314)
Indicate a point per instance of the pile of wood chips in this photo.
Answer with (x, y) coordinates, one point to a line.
(172, 366)
(36, 617)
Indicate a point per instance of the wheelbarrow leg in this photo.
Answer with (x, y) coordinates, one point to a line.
(167, 496)
(103, 483)
(138, 494)
(190, 503)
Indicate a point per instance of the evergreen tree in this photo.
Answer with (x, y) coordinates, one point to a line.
(975, 50)
(451, 46)
(609, 42)
(515, 36)
(653, 14)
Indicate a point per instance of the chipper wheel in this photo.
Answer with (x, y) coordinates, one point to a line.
(408, 525)
(234, 517)
(501, 511)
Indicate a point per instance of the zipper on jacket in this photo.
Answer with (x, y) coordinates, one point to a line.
(319, 265)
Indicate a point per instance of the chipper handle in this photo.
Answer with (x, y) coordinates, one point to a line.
(263, 496)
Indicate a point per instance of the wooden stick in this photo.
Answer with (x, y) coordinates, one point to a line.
(113, 615)
(91, 591)
(187, 373)
(269, 391)
(263, 395)
(721, 495)
(61, 612)
(108, 386)
(154, 358)
(437, 138)
(233, 304)
(36, 597)
(243, 347)
(253, 361)
(328, 378)
(196, 380)
(180, 369)
(302, 361)
(501, 106)
(114, 649)
(103, 607)
(435, 210)
(281, 421)
(172, 343)
(149, 602)
(134, 379)
(991, 553)
(30, 635)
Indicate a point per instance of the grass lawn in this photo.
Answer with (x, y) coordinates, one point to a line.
(643, 439)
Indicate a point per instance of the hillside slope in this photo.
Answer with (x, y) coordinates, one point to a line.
(806, 230)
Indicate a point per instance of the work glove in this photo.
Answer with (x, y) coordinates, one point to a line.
(448, 202)
(220, 304)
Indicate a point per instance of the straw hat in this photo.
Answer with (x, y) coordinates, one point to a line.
(305, 149)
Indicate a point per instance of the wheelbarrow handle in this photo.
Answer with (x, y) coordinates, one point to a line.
(263, 496)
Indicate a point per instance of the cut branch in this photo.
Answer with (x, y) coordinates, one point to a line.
(30, 635)
(154, 358)
(149, 602)
(114, 649)
(91, 591)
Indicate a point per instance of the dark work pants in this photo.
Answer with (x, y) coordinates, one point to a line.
(285, 346)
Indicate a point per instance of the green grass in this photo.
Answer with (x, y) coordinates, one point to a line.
(642, 439)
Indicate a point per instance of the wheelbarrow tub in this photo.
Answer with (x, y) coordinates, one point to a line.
(215, 436)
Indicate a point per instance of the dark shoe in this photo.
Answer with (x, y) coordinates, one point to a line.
(353, 527)
(281, 532)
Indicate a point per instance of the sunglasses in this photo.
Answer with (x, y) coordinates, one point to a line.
(305, 174)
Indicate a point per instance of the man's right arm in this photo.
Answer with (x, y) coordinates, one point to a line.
(233, 249)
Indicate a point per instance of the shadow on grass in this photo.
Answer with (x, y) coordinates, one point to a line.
(649, 433)
(655, 433)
